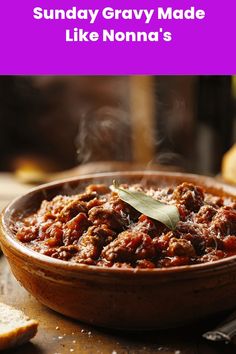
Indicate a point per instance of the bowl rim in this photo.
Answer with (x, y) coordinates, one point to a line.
(7, 238)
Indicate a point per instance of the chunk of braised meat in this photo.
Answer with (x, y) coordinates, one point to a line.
(175, 261)
(189, 195)
(44, 228)
(94, 202)
(129, 247)
(53, 235)
(192, 228)
(27, 233)
(215, 243)
(149, 226)
(183, 212)
(145, 263)
(196, 233)
(52, 209)
(63, 253)
(98, 188)
(106, 215)
(205, 214)
(92, 197)
(214, 200)
(224, 222)
(115, 265)
(71, 210)
(86, 197)
(93, 241)
(161, 243)
(74, 228)
(180, 247)
(126, 210)
(233, 205)
(211, 256)
(198, 242)
(79, 223)
(229, 243)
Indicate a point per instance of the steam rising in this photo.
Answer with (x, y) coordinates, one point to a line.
(104, 134)
(108, 133)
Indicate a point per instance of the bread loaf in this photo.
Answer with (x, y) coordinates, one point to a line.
(15, 327)
(229, 165)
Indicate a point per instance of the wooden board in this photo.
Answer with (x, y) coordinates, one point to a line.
(60, 335)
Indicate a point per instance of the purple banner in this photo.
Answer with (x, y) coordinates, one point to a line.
(95, 37)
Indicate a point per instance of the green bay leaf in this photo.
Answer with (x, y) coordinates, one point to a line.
(165, 213)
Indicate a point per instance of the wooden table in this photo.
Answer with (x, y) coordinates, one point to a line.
(60, 335)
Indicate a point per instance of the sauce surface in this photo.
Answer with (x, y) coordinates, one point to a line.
(97, 228)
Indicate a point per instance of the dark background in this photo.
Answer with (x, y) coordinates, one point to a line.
(67, 121)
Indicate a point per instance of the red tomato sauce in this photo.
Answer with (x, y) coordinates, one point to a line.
(97, 228)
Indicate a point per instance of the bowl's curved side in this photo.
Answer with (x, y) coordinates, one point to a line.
(134, 303)
(116, 298)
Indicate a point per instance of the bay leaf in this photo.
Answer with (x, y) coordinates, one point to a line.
(167, 214)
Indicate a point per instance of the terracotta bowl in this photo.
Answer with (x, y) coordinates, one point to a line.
(120, 298)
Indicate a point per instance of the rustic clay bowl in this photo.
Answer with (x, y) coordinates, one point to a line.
(120, 298)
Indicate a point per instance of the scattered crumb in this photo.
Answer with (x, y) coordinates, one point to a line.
(73, 333)
(72, 350)
(57, 328)
(74, 341)
(60, 337)
(177, 352)
(82, 331)
(114, 352)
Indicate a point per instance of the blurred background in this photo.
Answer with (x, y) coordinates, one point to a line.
(53, 127)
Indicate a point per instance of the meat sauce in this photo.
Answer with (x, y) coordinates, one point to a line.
(97, 228)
